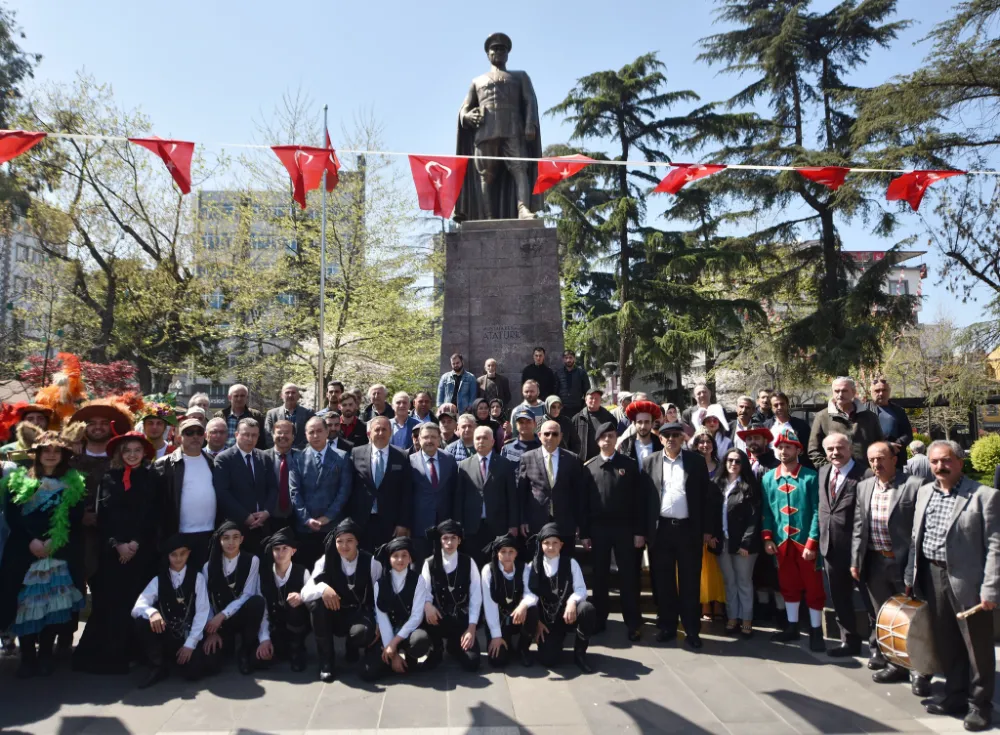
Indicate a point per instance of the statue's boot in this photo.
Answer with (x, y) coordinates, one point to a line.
(523, 212)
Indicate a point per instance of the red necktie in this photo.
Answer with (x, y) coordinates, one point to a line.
(434, 474)
(834, 477)
(283, 498)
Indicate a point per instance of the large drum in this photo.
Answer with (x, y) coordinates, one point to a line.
(903, 629)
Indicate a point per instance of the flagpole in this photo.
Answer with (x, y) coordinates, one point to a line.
(320, 394)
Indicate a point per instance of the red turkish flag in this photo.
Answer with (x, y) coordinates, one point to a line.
(176, 154)
(305, 166)
(438, 182)
(332, 166)
(911, 187)
(684, 173)
(15, 142)
(554, 170)
(832, 177)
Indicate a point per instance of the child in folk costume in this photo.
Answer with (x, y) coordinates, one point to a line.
(234, 593)
(451, 612)
(791, 535)
(341, 597)
(399, 609)
(285, 624)
(558, 584)
(42, 578)
(170, 617)
(510, 608)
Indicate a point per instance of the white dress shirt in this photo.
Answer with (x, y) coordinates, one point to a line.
(778, 427)
(279, 582)
(490, 607)
(145, 605)
(313, 590)
(673, 498)
(643, 450)
(842, 473)
(250, 588)
(551, 569)
(555, 463)
(475, 586)
(420, 596)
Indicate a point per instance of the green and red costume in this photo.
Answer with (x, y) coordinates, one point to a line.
(791, 521)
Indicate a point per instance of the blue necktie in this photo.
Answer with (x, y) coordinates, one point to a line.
(379, 469)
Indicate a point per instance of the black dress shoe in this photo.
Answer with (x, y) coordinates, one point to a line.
(920, 685)
(816, 643)
(947, 708)
(693, 641)
(299, 662)
(890, 674)
(527, 660)
(877, 663)
(27, 669)
(156, 674)
(790, 633)
(244, 664)
(580, 659)
(326, 674)
(977, 721)
(634, 635)
(665, 636)
(844, 650)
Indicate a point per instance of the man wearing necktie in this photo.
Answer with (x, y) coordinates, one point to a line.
(550, 486)
(485, 498)
(381, 501)
(246, 485)
(283, 455)
(434, 475)
(838, 481)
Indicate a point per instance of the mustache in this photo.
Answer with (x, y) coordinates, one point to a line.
(942, 471)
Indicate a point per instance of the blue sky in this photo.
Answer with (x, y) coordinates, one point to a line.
(206, 70)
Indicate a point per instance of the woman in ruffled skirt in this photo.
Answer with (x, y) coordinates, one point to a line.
(41, 581)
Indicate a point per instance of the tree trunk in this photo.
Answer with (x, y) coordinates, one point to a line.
(626, 341)
(830, 287)
(99, 351)
(144, 375)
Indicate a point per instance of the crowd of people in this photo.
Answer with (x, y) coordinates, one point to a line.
(405, 527)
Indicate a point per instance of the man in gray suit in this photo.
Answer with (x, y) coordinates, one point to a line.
(485, 499)
(956, 566)
(290, 410)
(880, 549)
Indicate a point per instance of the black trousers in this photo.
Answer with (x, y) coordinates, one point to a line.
(473, 545)
(605, 539)
(161, 652)
(450, 629)
(373, 536)
(551, 647)
(355, 624)
(289, 628)
(881, 580)
(246, 624)
(677, 575)
(964, 647)
(525, 633)
(198, 543)
(838, 575)
(417, 645)
(311, 548)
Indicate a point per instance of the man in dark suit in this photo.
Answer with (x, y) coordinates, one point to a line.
(838, 480)
(290, 410)
(677, 492)
(382, 489)
(246, 486)
(435, 476)
(956, 566)
(551, 486)
(614, 519)
(332, 420)
(283, 455)
(486, 498)
(320, 486)
(880, 549)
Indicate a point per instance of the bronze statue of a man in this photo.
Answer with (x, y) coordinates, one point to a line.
(499, 117)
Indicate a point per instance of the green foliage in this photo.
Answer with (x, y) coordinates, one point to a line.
(16, 67)
(985, 453)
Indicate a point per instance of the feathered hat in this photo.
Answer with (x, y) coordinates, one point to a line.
(67, 391)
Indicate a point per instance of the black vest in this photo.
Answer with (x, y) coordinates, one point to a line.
(274, 597)
(397, 606)
(500, 588)
(226, 589)
(552, 592)
(354, 592)
(177, 604)
(450, 591)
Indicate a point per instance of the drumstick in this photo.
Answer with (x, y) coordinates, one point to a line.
(970, 612)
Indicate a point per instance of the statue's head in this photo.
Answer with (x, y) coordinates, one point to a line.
(498, 47)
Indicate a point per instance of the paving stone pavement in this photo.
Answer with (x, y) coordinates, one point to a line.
(730, 687)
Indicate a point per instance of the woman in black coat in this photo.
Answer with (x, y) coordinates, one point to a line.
(737, 502)
(127, 523)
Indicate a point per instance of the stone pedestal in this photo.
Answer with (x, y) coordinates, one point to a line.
(501, 296)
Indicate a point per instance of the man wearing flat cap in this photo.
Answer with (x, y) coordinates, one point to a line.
(499, 118)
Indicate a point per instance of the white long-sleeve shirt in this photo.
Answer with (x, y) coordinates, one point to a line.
(490, 607)
(279, 582)
(551, 568)
(420, 596)
(250, 588)
(313, 590)
(145, 605)
(475, 586)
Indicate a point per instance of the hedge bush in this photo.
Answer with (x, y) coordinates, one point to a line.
(985, 454)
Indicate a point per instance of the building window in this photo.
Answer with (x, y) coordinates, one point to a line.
(215, 300)
(23, 253)
(288, 299)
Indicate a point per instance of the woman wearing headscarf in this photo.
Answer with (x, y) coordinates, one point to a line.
(127, 521)
(553, 412)
(509, 608)
(481, 410)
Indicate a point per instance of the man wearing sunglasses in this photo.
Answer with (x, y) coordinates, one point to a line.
(550, 485)
(185, 484)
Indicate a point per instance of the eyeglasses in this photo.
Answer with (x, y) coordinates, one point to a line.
(733, 460)
(193, 432)
(550, 433)
(674, 435)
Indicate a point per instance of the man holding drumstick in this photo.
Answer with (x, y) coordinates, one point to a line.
(956, 568)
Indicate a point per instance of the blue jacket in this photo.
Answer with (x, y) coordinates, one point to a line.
(432, 505)
(319, 491)
(468, 389)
